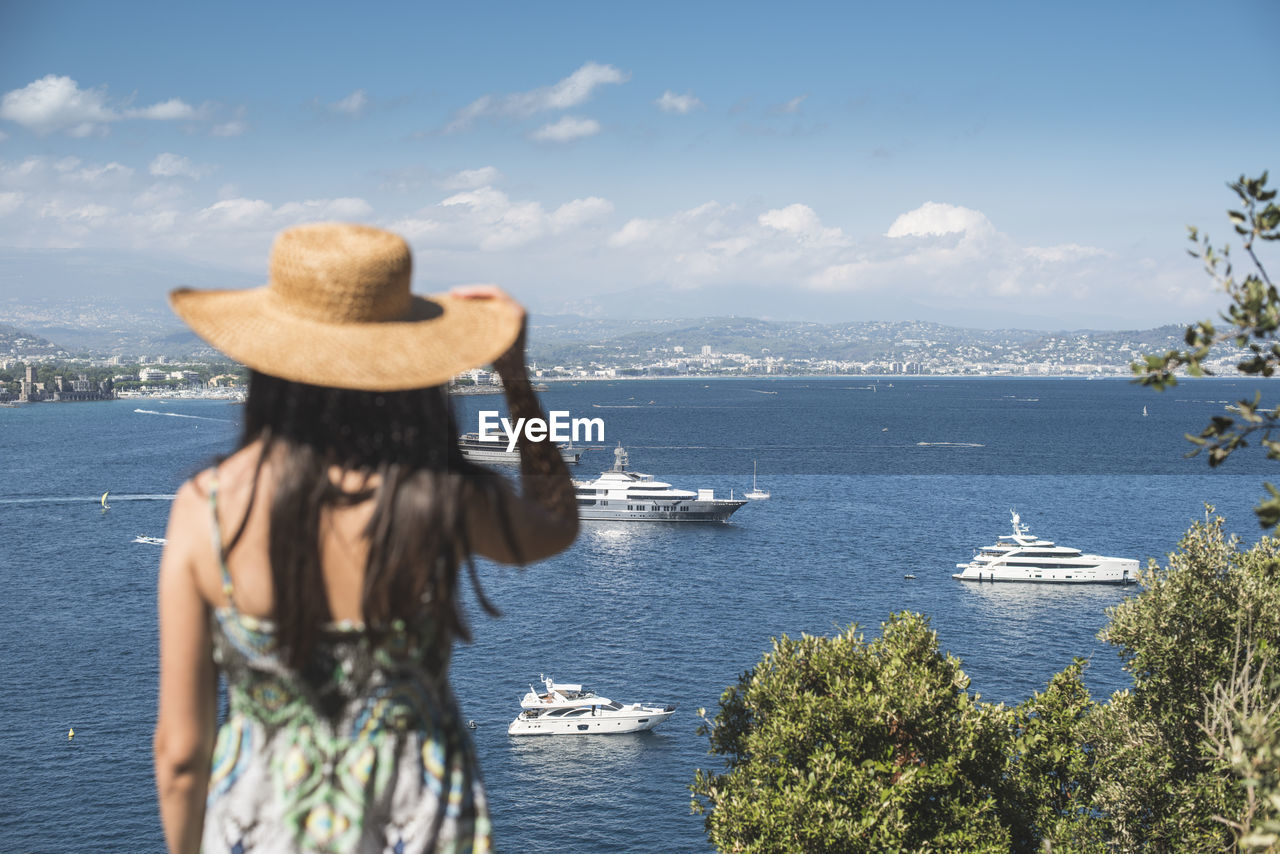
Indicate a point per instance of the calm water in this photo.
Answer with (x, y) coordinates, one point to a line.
(870, 481)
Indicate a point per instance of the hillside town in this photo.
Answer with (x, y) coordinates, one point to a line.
(34, 368)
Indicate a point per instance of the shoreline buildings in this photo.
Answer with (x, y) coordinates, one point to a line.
(61, 390)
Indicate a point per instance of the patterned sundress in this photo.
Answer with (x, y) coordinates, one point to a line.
(369, 757)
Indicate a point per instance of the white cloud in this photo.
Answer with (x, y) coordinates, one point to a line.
(936, 219)
(567, 129)
(236, 212)
(939, 261)
(10, 202)
(169, 165)
(482, 198)
(45, 175)
(162, 195)
(86, 213)
(325, 209)
(115, 173)
(579, 212)
(352, 105)
(954, 257)
(67, 202)
(789, 108)
(697, 246)
(166, 111)
(414, 228)
(88, 129)
(249, 213)
(802, 222)
(633, 232)
(670, 102)
(486, 218)
(235, 127)
(943, 262)
(573, 90)
(471, 179)
(1065, 252)
(57, 103)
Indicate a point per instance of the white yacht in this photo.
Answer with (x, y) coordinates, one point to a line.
(1022, 557)
(567, 709)
(623, 495)
(479, 451)
(756, 493)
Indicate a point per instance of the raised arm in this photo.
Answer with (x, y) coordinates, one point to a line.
(543, 519)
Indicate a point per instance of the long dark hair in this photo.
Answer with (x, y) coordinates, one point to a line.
(406, 440)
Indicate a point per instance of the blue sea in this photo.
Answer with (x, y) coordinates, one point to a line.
(871, 480)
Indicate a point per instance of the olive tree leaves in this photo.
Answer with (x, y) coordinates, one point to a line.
(1250, 324)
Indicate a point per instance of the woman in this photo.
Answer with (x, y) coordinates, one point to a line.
(316, 567)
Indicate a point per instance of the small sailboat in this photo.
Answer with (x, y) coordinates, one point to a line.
(1144, 412)
(105, 505)
(756, 492)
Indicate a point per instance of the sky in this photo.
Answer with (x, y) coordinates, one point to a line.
(978, 164)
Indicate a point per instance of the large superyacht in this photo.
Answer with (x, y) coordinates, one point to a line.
(623, 495)
(1020, 556)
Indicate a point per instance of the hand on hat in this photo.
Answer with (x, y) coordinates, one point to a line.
(511, 363)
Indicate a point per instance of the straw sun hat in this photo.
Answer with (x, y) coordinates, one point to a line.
(337, 311)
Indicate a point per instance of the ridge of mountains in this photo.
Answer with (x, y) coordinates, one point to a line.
(570, 339)
(98, 327)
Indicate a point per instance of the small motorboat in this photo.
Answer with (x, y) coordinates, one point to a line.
(570, 709)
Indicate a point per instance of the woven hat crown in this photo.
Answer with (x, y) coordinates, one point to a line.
(337, 311)
(341, 273)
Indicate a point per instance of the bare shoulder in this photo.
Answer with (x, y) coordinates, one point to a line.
(188, 527)
(191, 500)
(238, 470)
(235, 479)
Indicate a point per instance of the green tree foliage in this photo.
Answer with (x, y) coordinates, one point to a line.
(839, 744)
(1182, 639)
(1049, 767)
(1251, 320)
(1242, 725)
(835, 744)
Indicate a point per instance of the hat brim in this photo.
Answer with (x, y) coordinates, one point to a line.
(442, 337)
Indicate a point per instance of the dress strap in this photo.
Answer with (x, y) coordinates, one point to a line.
(218, 549)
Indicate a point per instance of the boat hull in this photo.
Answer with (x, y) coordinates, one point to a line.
(602, 724)
(1108, 572)
(501, 456)
(718, 510)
